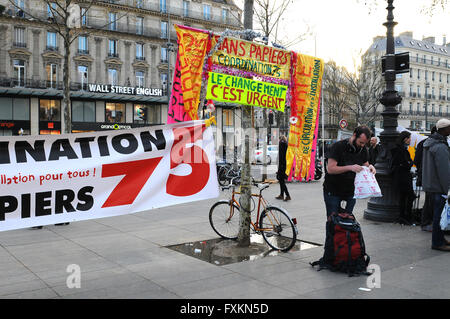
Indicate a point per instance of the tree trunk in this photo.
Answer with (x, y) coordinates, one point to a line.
(66, 79)
(246, 188)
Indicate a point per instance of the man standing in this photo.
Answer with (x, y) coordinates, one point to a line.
(427, 210)
(374, 149)
(345, 159)
(436, 178)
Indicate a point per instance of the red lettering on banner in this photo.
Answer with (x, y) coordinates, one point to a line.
(194, 156)
(136, 174)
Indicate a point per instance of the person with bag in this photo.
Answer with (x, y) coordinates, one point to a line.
(402, 177)
(436, 178)
(345, 159)
(281, 173)
(427, 209)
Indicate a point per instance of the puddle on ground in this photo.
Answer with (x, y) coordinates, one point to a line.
(220, 251)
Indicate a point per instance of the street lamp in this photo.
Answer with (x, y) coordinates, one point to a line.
(427, 85)
(386, 208)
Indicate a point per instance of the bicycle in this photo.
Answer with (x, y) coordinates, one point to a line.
(275, 225)
(226, 173)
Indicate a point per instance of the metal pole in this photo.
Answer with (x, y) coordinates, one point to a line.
(386, 208)
(426, 106)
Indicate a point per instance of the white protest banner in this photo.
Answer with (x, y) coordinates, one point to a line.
(49, 179)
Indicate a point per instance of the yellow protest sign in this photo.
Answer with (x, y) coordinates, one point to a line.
(233, 89)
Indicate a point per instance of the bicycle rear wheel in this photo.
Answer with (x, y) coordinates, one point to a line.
(224, 219)
(277, 229)
(222, 176)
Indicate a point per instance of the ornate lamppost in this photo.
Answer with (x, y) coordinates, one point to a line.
(386, 208)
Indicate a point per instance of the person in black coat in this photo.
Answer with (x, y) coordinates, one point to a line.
(402, 177)
(281, 173)
(427, 210)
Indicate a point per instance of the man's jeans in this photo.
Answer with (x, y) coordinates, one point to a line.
(333, 203)
(437, 238)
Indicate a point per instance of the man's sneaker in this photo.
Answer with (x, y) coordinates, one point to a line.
(279, 197)
(287, 198)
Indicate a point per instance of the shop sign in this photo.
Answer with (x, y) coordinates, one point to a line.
(107, 88)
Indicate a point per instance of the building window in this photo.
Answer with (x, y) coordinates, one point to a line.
(432, 76)
(83, 76)
(115, 112)
(52, 72)
(418, 91)
(19, 37)
(426, 75)
(440, 77)
(164, 30)
(164, 56)
(83, 111)
(417, 57)
(84, 18)
(51, 41)
(411, 73)
(224, 15)
(112, 76)
(418, 108)
(140, 51)
(147, 114)
(14, 109)
(83, 45)
(19, 72)
(140, 25)
(418, 74)
(112, 49)
(164, 83)
(51, 8)
(139, 4)
(113, 21)
(185, 8)
(49, 110)
(207, 12)
(162, 6)
(140, 79)
(20, 5)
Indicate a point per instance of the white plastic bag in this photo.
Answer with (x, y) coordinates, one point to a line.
(445, 217)
(366, 184)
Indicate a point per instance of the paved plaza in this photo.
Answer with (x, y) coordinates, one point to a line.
(126, 257)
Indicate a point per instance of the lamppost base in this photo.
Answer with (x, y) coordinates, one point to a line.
(385, 208)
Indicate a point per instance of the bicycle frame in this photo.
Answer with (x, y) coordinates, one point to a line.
(261, 202)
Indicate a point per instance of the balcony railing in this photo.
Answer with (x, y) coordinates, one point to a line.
(140, 58)
(113, 55)
(51, 48)
(19, 45)
(83, 52)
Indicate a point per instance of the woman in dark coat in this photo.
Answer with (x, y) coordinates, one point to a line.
(281, 173)
(402, 177)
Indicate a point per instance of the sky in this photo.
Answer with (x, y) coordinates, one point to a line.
(344, 29)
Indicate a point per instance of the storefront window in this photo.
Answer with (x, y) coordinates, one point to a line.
(50, 110)
(147, 114)
(14, 109)
(115, 113)
(83, 111)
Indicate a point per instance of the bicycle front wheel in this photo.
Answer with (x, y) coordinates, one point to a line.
(224, 219)
(277, 229)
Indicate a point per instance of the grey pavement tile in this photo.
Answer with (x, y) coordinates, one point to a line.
(273, 266)
(350, 290)
(112, 242)
(101, 279)
(435, 283)
(251, 289)
(22, 287)
(82, 229)
(125, 290)
(186, 290)
(45, 293)
(27, 236)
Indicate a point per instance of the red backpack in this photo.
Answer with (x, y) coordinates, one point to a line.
(344, 249)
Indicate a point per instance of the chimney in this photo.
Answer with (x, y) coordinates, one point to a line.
(444, 40)
(407, 34)
(429, 39)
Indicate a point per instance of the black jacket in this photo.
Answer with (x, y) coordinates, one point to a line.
(401, 168)
(282, 150)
